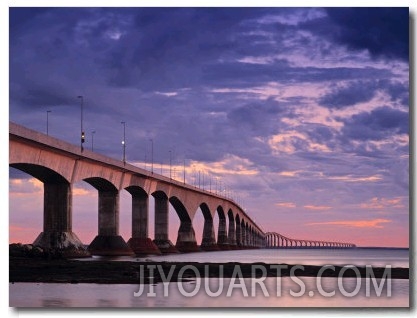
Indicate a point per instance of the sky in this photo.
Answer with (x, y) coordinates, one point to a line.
(300, 114)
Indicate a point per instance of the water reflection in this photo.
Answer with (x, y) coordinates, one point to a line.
(238, 293)
(54, 302)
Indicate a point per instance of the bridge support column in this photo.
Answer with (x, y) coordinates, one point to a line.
(243, 235)
(249, 238)
(57, 232)
(140, 243)
(232, 233)
(161, 225)
(186, 238)
(222, 241)
(209, 240)
(238, 234)
(108, 242)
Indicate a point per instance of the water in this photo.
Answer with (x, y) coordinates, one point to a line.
(267, 292)
(95, 295)
(359, 257)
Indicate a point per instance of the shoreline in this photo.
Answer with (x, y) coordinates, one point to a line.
(37, 270)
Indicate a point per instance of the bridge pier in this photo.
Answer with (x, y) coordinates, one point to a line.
(161, 225)
(238, 234)
(208, 242)
(222, 240)
(57, 232)
(108, 242)
(242, 235)
(232, 233)
(140, 243)
(186, 238)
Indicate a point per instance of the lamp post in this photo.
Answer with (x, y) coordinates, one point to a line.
(82, 115)
(216, 186)
(184, 171)
(92, 140)
(170, 164)
(47, 122)
(124, 141)
(151, 155)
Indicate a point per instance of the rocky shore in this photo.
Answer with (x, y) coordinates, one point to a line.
(23, 269)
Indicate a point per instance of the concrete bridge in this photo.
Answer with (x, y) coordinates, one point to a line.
(276, 240)
(59, 165)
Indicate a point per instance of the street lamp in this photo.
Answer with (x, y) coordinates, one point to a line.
(184, 171)
(151, 155)
(170, 165)
(82, 129)
(92, 140)
(47, 122)
(124, 141)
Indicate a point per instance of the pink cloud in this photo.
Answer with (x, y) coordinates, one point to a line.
(317, 207)
(286, 204)
(358, 223)
(382, 203)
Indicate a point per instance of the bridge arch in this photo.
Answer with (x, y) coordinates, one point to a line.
(42, 173)
(108, 241)
(238, 231)
(161, 222)
(222, 239)
(231, 237)
(251, 236)
(273, 239)
(186, 241)
(140, 242)
(243, 232)
(246, 227)
(57, 210)
(208, 241)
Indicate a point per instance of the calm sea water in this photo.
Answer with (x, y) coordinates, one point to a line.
(215, 292)
(358, 256)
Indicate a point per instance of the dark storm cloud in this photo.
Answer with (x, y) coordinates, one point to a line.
(354, 92)
(161, 49)
(321, 134)
(247, 74)
(18, 18)
(169, 46)
(399, 92)
(39, 95)
(117, 57)
(381, 31)
(64, 51)
(348, 95)
(378, 124)
(260, 118)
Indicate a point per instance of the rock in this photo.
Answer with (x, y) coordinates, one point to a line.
(25, 250)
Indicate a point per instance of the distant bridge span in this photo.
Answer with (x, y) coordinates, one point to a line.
(276, 240)
(59, 165)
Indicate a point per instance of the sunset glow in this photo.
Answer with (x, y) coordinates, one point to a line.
(300, 115)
